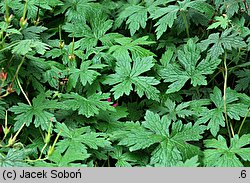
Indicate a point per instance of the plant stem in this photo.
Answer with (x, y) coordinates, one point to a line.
(7, 14)
(186, 23)
(21, 88)
(18, 82)
(73, 46)
(60, 32)
(225, 97)
(45, 145)
(243, 121)
(18, 68)
(25, 9)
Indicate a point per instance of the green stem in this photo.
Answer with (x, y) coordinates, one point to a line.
(225, 97)
(60, 32)
(25, 9)
(21, 88)
(243, 121)
(18, 82)
(73, 46)
(45, 145)
(32, 161)
(7, 15)
(185, 22)
(8, 47)
(18, 68)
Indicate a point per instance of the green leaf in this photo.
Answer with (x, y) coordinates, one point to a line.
(137, 15)
(2, 110)
(87, 106)
(32, 6)
(221, 21)
(202, 6)
(174, 111)
(188, 59)
(226, 41)
(220, 155)
(215, 116)
(125, 159)
(243, 83)
(192, 162)
(75, 143)
(25, 46)
(77, 10)
(126, 75)
(52, 76)
(14, 158)
(86, 74)
(168, 15)
(128, 44)
(173, 145)
(38, 110)
(166, 57)
(33, 32)
(90, 34)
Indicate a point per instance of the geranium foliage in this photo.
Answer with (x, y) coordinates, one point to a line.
(125, 83)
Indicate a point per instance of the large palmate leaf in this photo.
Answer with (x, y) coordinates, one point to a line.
(14, 158)
(215, 116)
(75, 144)
(91, 34)
(220, 155)
(87, 106)
(27, 45)
(221, 42)
(167, 14)
(77, 10)
(38, 110)
(173, 146)
(127, 45)
(136, 15)
(126, 75)
(86, 74)
(188, 67)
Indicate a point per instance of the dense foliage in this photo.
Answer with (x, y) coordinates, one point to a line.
(125, 83)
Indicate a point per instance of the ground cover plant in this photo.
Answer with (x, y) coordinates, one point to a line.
(125, 83)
